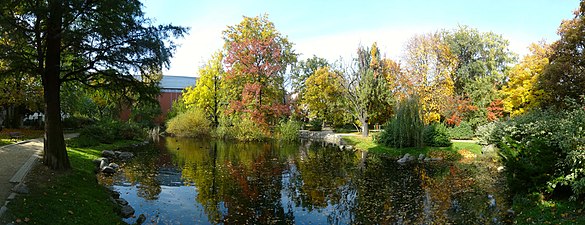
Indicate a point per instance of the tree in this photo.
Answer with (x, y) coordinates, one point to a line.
(521, 93)
(303, 70)
(321, 98)
(565, 76)
(257, 58)
(98, 43)
(19, 95)
(365, 85)
(430, 65)
(207, 93)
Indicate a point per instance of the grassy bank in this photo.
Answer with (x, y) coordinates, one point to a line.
(533, 209)
(72, 197)
(25, 133)
(367, 144)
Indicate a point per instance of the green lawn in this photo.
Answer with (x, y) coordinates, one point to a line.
(72, 197)
(367, 144)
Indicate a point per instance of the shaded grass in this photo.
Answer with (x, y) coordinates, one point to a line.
(72, 197)
(26, 134)
(532, 209)
(449, 153)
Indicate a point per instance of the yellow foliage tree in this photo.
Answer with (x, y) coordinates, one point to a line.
(207, 93)
(521, 92)
(322, 92)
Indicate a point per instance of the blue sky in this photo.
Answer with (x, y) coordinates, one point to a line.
(334, 28)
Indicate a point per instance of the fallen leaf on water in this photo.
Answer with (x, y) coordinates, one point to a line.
(26, 219)
(18, 220)
(70, 212)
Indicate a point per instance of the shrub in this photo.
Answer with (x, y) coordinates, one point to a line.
(316, 125)
(406, 128)
(289, 130)
(462, 132)
(191, 123)
(486, 133)
(547, 145)
(435, 135)
(109, 131)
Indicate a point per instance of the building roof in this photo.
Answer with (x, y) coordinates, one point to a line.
(177, 82)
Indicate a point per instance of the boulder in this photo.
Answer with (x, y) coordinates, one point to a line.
(121, 201)
(127, 211)
(126, 155)
(108, 154)
(108, 170)
(349, 147)
(20, 188)
(115, 194)
(114, 165)
(141, 219)
(407, 157)
(103, 164)
(421, 157)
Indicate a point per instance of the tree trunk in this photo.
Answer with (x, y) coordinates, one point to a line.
(55, 153)
(365, 129)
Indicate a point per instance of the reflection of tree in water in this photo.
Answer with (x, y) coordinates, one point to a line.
(318, 175)
(236, 183)
(144, 171)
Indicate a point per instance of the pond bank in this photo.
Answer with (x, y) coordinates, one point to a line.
(72, 197)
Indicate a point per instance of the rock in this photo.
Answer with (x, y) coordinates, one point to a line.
(411, 158)
(126, 155)
(108, 170)
(103, 164)
(500, 168)
(127, 211)
(114, 166)
(342, 147)
(115, 194)
(108, 154)
(121, 201)
(20, 188)
(349, 147)
(141, 219)
(421, 157)
(407, 157)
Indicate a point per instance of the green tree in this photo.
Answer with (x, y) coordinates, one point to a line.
(565, 76)
(98, 43)
(208, 92)
(303, 69)
(365, 85)
(321, 98)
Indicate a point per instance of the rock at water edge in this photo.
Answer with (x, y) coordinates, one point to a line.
(127, 211)
(20, 188)
(141, 219)
(108, 154)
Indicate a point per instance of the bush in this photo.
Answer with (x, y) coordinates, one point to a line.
(191, 123)
(406, 128)
(462, 132)
(435, 135)
(544, 148)
(109, 131)
(316, 125)
(485, 133)
(289, 130)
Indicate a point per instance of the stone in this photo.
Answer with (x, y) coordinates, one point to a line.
(103, 164)
(127, 211)
(141, 219)
(500, 168)
(108, 170)
(121, 201)
(115, 194)
(421, 157)
(11, 197)
(491, 201)
(349, 147)
(108, 154)
(114, 165)
(407, 157)
(126, 155)
(20, 188)
(341, 147)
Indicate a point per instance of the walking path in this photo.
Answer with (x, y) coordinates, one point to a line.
(16, 160)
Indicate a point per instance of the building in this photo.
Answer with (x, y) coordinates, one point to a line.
(171, 88)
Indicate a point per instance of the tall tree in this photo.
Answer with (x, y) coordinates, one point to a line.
(98, 43)
(321, 98)
(207, 93)
(565, 76)
(430, 65)
(257, 59)
(365, 85)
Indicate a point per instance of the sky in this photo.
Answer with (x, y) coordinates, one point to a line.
(335, 28)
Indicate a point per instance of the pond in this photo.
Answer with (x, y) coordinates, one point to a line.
(186, 181)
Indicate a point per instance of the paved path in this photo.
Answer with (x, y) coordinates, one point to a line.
(15, 162)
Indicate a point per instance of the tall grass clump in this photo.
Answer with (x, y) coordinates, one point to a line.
(406, 128)
(288, 130)
(191, 123)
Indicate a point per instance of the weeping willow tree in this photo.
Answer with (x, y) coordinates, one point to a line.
(406, 128)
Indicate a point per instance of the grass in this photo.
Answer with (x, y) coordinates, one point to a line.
(532, 209)
(72, 197)
(450, 153)
(26, 134)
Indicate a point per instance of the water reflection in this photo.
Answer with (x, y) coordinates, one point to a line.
(185, 181)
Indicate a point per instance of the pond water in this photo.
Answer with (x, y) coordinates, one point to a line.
(186, 181)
